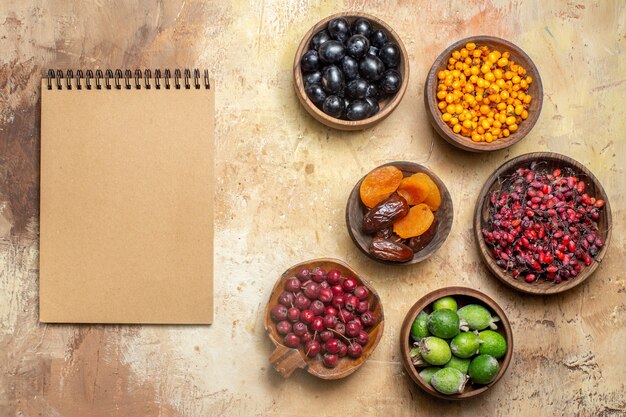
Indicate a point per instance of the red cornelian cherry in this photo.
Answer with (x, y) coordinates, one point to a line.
(543, 224)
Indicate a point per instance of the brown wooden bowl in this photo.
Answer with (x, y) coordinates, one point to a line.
(593, 188)
(355, 210)
(463, 296)
(460, 141)
(286, 360)
(386, 106)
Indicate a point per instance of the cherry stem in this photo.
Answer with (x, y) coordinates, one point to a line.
(335, 331)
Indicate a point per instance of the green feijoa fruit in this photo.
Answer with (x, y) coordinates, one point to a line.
(427, 373)
(483, 369)
(445, 302)
(465, 345)
(419, 329)
(449, 381)
(477, 317)
(492, 343)
(434, 350)
(416, 357)
(443, 323)
(458, 363)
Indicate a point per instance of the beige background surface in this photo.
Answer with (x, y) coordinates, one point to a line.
(282, 184)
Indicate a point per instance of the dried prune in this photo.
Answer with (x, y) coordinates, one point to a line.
(385, 213)
(390, 251)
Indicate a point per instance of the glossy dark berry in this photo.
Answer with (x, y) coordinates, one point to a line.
(315, 93)
(339, 29)
(332, 81)
(310, 61)
(371, 68)
(319, 38)
(358, 110)
(373, 91)
(372, 51)
(333, 106)
(389, 53)
(357, 46)
(374, 107)
(357, 88)
(332, 51)
(378, 38)
(362, 26)
(390, 82)
(350, 68)
(312, 78)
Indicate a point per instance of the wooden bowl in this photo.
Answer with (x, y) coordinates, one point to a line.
(286, 360)
(460, 141)
(355, 210)
(463, 296)
(386, 106)
(593, 188)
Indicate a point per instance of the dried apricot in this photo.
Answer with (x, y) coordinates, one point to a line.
(415, 188)
(415, 223)
(433, 199)
(379, 184)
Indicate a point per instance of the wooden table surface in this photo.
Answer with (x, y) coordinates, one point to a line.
(283, 180)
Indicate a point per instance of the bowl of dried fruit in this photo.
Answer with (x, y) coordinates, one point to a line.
(483, 94)
(542, 223)
(350, 71)
(456, 343)
(323, 317)
(399, 213)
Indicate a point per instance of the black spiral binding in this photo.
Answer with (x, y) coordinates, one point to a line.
(141, 79)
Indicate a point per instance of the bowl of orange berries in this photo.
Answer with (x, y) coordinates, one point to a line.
(483, 94)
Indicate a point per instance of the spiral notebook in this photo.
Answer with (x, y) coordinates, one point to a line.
(126, 223)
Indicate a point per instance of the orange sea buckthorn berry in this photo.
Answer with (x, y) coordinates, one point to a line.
(470, 46)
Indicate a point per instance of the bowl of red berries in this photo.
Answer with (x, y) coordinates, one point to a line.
(350, 71)
(542, 223)
(322, 317)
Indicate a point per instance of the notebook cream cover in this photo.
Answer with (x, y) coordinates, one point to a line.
(126, 222)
